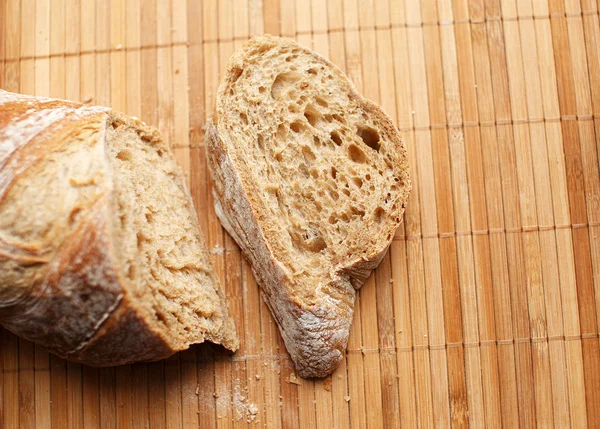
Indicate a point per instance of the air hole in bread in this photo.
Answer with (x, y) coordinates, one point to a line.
(312, 71)
(357, 212)
(308, 154)
(281, 133)
(378, 214)
(125, 155)
(160, 315)
(260, 141)
(236, 72)
(357, 181)
(334, 195)
(149, 217)
(356, 154)
(338, 118)
(321, 102)
(282, 82)
(244, 118)
(262, 89)
(260, 50)
(297, 126)
(312, 115)
(370, 137)
(315, 244)
(303, 169)
(333, 172)
(335, 136)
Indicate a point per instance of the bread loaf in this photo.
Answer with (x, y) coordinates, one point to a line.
(311, 180)
(101, 257)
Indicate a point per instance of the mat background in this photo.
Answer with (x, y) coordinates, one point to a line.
(485, 310)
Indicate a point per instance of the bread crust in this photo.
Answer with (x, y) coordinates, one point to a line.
(315, 334)
(67, 290)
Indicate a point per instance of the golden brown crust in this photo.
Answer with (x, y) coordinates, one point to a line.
(51, 309)
(61, 281)
(58, 313)
(124, 338)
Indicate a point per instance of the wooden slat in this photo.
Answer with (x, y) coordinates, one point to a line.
(12, 400)
(448, 250)
(72, 34)
(549, 257)
(568, 102)
(485, 311)
(413, 222)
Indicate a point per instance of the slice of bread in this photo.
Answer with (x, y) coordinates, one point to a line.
(311, 180)
(101, 257)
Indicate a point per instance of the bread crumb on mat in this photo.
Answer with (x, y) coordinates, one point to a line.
(292, 379)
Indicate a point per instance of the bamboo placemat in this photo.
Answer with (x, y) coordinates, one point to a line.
(485, 310)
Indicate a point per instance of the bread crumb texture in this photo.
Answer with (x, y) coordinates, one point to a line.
(324, 179)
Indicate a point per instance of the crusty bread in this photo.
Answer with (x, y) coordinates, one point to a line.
(101, 257)
(311, 180)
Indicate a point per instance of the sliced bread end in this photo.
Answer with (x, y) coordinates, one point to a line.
(311, 180)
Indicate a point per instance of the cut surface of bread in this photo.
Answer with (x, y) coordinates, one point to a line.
(101, 257)
(311, 180)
